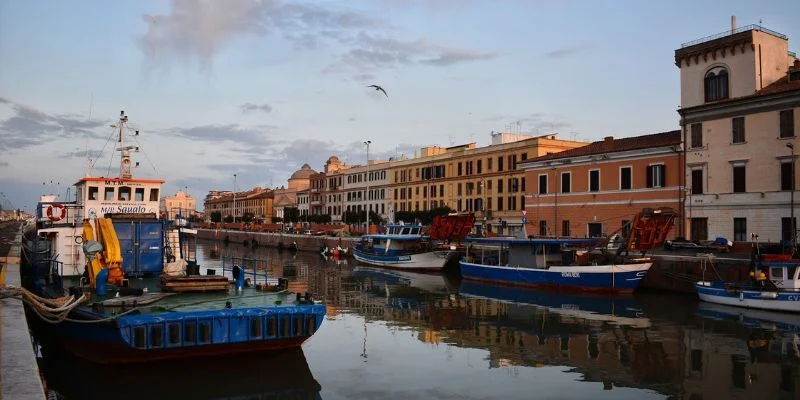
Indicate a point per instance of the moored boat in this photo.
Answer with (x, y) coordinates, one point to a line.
(567, 263)
(174, 309)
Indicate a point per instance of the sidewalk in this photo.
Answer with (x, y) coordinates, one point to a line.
(19, 372)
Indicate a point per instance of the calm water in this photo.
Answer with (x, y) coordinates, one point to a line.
(391, 335)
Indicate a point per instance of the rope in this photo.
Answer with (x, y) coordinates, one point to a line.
(50, 310)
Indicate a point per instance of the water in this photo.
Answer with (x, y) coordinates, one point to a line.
(392, 335)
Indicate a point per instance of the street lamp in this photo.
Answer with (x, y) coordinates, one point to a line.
(791, 206)
(234, 198)
(366, 219)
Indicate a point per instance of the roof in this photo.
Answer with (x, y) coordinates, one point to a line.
(304, 172)
(610, 145)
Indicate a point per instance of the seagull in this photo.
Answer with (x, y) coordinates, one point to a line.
(380, 89)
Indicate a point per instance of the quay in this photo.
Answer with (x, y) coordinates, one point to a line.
(310, 243)
(19, 371)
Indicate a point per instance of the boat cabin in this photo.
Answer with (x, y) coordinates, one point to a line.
(785, 275)
(525, 253)
(398, 239)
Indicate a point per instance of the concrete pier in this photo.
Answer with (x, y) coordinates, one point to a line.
(19, 372)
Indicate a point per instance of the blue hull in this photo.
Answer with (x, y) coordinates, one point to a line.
(622, 279)
(139, 338)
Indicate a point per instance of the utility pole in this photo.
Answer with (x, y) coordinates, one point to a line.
(234, 198)
(366, 222)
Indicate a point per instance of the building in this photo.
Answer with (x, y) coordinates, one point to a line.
(252, 205)
(366, 187)
(286, 197)
(466, 178)
(333, 189)
(595, 190)
(740, 100)
(181, 203)
(317, 194)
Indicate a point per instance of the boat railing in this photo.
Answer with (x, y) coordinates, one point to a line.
(254, 268)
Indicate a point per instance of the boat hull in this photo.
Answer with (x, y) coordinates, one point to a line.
(624, 278)
(175, 335)
(428, 261)
(717, 293)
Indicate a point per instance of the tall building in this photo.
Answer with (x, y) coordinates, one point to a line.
(366, 187)
(467, 178)
(596, 190)
(286, 197)
(181, 203)
(740, 100)
(333, 189)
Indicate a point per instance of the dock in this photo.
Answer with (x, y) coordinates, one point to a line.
(19, 371)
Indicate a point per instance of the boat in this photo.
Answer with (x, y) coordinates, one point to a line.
(407, 246)
(569, 263)
(751, 318)
(622, 311)
(429, 282)
(774, 286)
(111, 280)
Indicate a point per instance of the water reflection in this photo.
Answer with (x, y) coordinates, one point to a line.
(634, 347)
(399, 335)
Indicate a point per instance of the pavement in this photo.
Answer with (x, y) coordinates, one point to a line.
(19, 371)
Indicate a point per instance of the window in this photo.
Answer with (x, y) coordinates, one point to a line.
(786, 175)
(108, 194)
(542, 184)
(626, 228)
(737, 130)
(739, 179)
(93, 192)
(625, 179)
(542, 228)
(500, 164)
(459, 169)
(787, 123)
(153, 194)
(565, 227)
(499, 186)
(716, 84)
(499, 204)
(786, 228)
(655, 176)
(489, 163)
(480, 166)
(697, 135)
(594, 180)
(697, 181)
(595, 229)
(139, 194)
(566, 182)
(740, 229)
(124, 193)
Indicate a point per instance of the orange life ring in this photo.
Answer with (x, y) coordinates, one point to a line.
(62, 213)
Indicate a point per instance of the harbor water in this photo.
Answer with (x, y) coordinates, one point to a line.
(397, 335)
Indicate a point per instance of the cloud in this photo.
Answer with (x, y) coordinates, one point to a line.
(93, 154)
(565, 52)
(534, 123)
(243, 139)
(250, 107)
(28, 127)
(3, 163)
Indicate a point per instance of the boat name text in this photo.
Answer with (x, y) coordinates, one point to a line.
(570, 274)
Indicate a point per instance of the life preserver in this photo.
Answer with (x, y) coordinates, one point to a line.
(61, 214)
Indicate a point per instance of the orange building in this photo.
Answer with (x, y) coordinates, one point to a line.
(596, 190)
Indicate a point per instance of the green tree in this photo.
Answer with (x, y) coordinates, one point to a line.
(216, 216)
(248, 217)
(291, 214)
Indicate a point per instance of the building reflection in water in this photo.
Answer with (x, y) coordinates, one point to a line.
(659, 342)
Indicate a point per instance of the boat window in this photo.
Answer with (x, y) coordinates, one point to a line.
(124, 193)
(108, 193)
(404, 231)
(792, 272)
(776, 273)
(93, 193)
(153, 194)
(139, 194)
(414, 231)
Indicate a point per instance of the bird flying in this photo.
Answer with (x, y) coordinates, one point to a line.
(380, 89)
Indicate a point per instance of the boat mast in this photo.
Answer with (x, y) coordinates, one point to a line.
(125, 162)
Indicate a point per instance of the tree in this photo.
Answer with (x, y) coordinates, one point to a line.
(229, 219)
(277, 220)
(248, 217)
(216, 216)
(291, 214)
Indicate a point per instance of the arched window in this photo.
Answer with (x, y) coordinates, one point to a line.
(716, 84)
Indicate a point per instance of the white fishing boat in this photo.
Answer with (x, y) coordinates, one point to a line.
(403, 246)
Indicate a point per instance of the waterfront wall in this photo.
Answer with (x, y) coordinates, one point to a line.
(304, 242)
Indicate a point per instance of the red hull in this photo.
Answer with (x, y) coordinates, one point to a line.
(108, 353)
(557, 288)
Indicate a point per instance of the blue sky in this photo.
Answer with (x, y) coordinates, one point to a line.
(257, 88)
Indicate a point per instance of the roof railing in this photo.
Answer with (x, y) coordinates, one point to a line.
(752, 27)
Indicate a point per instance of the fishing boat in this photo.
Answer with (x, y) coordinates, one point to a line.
(107, 278)
(774, 286)
(407, 246)
(569, 263)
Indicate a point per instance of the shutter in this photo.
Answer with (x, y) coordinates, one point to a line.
(663, 173)
(649, 176)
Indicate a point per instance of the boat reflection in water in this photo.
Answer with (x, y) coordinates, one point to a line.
(278, 375)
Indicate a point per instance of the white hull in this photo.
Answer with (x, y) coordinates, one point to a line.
(432, 260)
(769, 305)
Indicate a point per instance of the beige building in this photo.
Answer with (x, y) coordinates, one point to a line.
(740, 100)
(286, 197)
(366, 187)
(332, 190)
(467, 178)
(256, 203)
(181, 203)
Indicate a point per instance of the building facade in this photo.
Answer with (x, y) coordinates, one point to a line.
(366, 187)
(596, 190)
(255, 205)
(181, 203)
(740, 100)
(466, 178)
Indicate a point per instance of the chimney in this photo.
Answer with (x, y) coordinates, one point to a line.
(733, 24)
(608, 138)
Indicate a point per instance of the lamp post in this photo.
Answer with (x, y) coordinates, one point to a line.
(366, 219)
(791, 201)
(234, 198)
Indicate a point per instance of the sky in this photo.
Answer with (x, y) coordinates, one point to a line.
(258, 88)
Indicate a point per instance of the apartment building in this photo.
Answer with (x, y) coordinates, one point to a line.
(596, 190)
(256, 203)
(366, 187)
(333, 193)
(467, 178)
(181, 203)
(740, 100)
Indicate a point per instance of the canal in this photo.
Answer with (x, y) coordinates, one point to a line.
(397, 335)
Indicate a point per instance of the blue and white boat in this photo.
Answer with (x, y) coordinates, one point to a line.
(403, 246)
(775, 287)
(550, 263)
